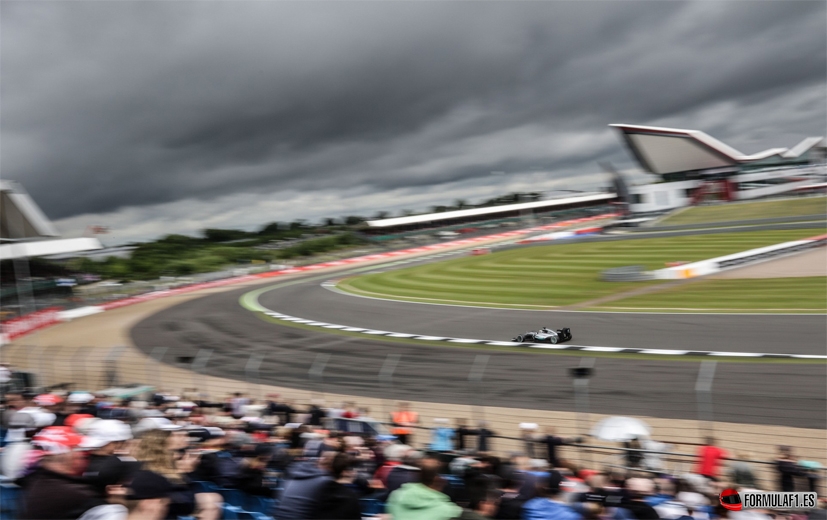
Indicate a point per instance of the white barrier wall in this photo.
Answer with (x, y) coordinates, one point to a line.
(660, 197)
(771, 190)
(714, 265)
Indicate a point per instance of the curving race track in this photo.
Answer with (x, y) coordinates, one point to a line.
(789, 394)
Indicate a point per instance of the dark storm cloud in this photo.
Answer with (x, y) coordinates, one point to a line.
(107, 105)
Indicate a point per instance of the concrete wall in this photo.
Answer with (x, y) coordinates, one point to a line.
(661, 197)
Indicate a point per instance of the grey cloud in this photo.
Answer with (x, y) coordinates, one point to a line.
(137, 104)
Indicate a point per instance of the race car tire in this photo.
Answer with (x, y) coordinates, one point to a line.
(553, 340)
(520, 339)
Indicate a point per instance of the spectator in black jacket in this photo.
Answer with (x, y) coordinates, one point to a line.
(52, 491)
(251, 477)
(305, 480)
(106, 440)
(511, 500)
(217, 463)
(638, 489)
(404, 473)
(463, 431)
(553, 442)
(338, 500)
(484, 436)
(787, 469)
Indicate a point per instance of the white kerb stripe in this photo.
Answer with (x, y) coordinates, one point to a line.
(664, 352)
(735, 354)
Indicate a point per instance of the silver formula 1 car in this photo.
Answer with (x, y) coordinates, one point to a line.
(545, 335)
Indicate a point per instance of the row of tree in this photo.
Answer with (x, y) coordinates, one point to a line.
(216, 249)
(181, 255)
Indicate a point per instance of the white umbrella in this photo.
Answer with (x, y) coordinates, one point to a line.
(618, 429)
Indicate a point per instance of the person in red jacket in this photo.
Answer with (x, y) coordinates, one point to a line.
(709, 459)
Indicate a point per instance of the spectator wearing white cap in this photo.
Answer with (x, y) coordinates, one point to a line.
(155, 423)
(106, 441)
(41, 414)
(14, 455)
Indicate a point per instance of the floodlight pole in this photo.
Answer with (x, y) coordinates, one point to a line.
(580, 377)
(475, 383)
(386, 381)
(703, 391)
(316, 372)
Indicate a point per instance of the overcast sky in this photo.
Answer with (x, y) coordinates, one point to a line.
(159, 117)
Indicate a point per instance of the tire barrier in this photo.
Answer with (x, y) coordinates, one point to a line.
(631, 273)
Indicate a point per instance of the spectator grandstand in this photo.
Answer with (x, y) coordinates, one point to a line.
(151, 454)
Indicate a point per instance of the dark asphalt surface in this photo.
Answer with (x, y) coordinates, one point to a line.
(780, 394)
(775, 334)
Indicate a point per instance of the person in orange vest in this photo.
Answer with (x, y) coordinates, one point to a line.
(403, 419)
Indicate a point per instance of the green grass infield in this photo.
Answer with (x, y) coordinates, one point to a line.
(562, 275)
(748, 211)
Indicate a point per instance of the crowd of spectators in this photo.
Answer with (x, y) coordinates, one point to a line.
(93, 457)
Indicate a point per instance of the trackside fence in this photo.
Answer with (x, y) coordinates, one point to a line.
(680, 420)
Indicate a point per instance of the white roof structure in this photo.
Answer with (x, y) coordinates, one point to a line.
(668, 150)
(26, 231)
(48, 247)
(20, 217)
(463, 213)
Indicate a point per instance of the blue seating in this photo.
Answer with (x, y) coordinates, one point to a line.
(262, 505)
(249, 515)
(237, 504)
(234, 497)
(10, 498)
(371, 506)
(454, 481)
(230, 512)
(205, 486)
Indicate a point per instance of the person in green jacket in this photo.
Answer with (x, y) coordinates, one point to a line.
(423, 500)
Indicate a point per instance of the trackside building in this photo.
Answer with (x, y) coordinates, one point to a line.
(694, 167)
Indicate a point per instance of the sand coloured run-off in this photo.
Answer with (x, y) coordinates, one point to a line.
(808, 263)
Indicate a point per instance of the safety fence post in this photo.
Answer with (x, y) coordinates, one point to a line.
(580, 377)
(252, 373)
(703, 391)
(157, 355)
(110, 367)
(199, 366)
(475, 386)
(316, 372)
(386, 382)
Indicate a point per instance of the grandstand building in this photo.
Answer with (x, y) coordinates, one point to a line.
(463, 219)
(25, 231)
(695, 167)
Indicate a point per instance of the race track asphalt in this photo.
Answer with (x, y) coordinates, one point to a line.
(759, 393)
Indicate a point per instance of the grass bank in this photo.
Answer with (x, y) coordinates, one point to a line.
(562, 275)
